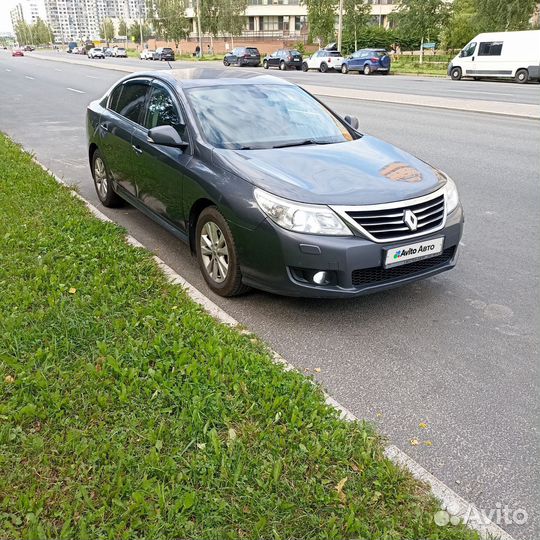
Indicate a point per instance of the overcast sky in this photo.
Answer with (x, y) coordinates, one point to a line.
(5, 20)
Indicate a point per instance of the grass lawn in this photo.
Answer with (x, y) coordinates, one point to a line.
(127, 412)
(432, 65)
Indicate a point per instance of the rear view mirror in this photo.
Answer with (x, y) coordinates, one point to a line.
(352, 121)
(166, 136)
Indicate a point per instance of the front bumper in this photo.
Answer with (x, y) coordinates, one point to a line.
(275, 260)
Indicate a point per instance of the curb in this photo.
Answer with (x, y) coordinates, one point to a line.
(450, 500)
(500, 108)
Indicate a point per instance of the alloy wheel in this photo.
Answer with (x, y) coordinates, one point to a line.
(100, 176)
(214, 252)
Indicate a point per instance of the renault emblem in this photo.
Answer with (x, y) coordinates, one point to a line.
(410, 220)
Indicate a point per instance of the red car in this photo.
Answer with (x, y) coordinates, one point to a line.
(17, 52)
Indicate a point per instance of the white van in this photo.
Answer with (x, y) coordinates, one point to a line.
(509, 55)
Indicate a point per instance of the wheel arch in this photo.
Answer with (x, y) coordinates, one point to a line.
(195, 211)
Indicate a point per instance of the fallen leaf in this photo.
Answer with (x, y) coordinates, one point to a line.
(428, 443)
(201, 446)
(9, 379)
(415, 442)
(317, 370)
(72, 290)
(422, 425)
(339, 489)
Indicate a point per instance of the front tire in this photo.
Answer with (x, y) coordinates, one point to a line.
(225, 63)
(283, 66)
(304, 67)
(455, 74)
(522, 76)
(344, 69)
(265, 64)
(102, 182)
(217, 254)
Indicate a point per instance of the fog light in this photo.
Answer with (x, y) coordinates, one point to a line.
(320, 278)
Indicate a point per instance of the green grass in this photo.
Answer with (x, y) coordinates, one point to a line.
(127, 412)
(432, 64)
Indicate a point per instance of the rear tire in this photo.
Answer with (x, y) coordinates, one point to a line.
(367, 70)
(522, 76)
(283, 66)
(324, 67)
(217, 254)
(455, 74)
(102, 182)
(305, 67)
(265, 64)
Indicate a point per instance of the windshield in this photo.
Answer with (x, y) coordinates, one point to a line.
(263, 116)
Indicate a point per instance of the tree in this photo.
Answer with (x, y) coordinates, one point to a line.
(321, 19)
(504, 15)
(369, 37)
(122, 28)
(23, 31)
(41, 32)
(106, 30)
(421, 19)
(462, 25)
(356, 17)
(134, 32)
(169, 19)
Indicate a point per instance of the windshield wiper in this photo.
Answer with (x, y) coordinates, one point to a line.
(301, 143)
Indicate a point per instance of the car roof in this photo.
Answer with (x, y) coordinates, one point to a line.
(200, 76)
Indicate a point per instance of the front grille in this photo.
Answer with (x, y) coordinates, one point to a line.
(387, 224)
(378, 274)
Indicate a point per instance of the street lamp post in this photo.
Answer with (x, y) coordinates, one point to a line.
(340, 25)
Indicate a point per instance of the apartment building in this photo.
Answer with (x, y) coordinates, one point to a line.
(28, 11)
(81, 19)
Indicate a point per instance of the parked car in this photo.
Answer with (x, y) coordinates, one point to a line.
(243, 56)
(76, 50)
(71, 46)
(28, 48)
(96, 52)
(164, 53)
(269, 188)
(147, 54)
(284, 59)
(108, 52)
(119, 52)
(17, 52)
(506, 55)
(323, 60)
(367, 61)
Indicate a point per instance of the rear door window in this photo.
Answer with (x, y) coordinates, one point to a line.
(130, 103)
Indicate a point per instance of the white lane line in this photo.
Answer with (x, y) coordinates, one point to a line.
(28, 77)
(75, 90)
(480, 92)
(56, 69)
(92, 77)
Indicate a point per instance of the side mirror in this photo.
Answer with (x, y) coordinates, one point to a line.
(352, 121)
(462, 54)
(166, 136)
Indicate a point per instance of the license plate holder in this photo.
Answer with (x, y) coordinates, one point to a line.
(425, 249)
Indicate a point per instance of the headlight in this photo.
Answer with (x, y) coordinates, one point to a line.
(298, 217)
(452, 197)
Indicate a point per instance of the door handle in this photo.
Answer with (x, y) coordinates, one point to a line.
(137, 149)
(104, 127)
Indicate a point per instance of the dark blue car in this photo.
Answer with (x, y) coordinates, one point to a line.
(269, 187)
(367, 61)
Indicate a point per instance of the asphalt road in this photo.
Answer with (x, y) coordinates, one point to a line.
(458, 352)
(506, 91)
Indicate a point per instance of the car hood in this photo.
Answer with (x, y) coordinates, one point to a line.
(364, 171)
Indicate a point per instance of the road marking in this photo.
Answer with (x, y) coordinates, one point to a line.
(56, 69)
(75, 90)
(8, 69)
(28, 77)
(92, 77)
